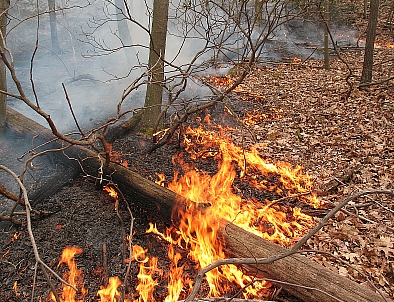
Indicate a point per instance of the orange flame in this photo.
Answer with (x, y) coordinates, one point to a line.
(15, 237)
(110, 293)
(15, 288)
(74, 277)
(198, 232)
(145, 276)
(111, 191)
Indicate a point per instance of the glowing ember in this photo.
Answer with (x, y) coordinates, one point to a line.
(110, 293)
(15, 237)
(74, 277)
(297, 60)
(15, 288)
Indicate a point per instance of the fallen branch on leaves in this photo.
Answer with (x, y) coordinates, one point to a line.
(296, 249)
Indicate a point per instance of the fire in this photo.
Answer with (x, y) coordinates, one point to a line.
(15, 237)
(297, 60)
(383, 44)
(74, 277)
(198, 230)
(111, 191)
(15, 288)
(110, 293)
(215, 197)
(148, 268)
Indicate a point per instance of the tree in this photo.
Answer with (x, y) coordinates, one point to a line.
(154, 92)
(366, 76)
(258, 11)
(52, 22)
(4, 4)
(326, 15)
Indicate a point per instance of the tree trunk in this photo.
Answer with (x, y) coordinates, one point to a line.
(326, 50)
(52, 23)
(4, 4)
(366, 76)
(154, 92)
(295, 269)
(124, 32)
(258, 12)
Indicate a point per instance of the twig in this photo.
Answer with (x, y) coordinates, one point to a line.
(300, 286)
(44, 267)
(34, 281)
(72, 110)
(105, 265)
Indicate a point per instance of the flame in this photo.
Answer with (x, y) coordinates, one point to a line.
(110, 293)
(215, 197)
(74, 277)
(383, 44)
(15, 288)
(297, 60)
(15, 237)
(111, 191)
(161, 179)
(198, 230)
(175, 284)
(148, 267)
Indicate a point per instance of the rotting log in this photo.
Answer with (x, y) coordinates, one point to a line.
(295, 269)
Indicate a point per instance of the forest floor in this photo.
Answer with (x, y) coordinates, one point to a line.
(297, 113)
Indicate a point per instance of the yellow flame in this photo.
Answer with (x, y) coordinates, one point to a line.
(74, 277)
(110, 293)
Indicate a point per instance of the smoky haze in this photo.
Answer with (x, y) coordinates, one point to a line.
(95, 79)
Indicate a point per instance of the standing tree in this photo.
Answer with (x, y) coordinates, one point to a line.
(4, 4)
(52, 22)
(366, 76)
(326, 49)
(154, 92)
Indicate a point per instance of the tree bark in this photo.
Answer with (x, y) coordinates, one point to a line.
(4, 4)
(295, 269)
(154, 92)
(366, 76)
(326, 49)
(258, 12)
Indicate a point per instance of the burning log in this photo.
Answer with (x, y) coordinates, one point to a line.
(294, 269)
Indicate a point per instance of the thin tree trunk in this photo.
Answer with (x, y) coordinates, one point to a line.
(366, 76)
(258, 12)
(154, 93)
(326, 50)
(4, 4)
(52, 23)
(123, 29)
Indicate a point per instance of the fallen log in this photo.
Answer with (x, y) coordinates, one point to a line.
(294, 269)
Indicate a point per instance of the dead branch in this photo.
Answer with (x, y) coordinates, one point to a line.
(44, 267)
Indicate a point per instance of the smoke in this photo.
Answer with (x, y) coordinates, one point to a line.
(95, 68)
